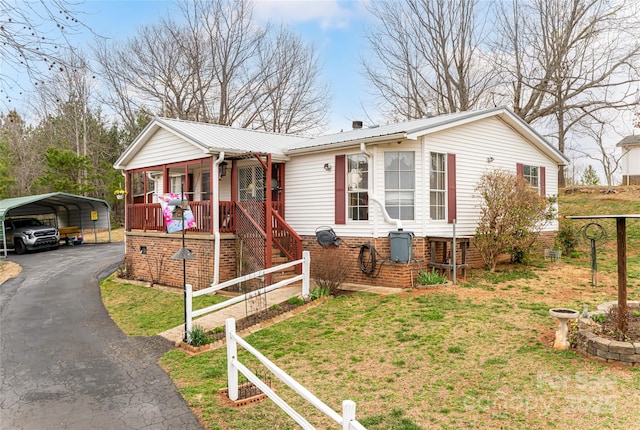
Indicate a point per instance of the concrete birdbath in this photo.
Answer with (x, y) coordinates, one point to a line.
(563, 315)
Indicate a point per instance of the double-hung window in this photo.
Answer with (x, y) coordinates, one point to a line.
(531, 175)
(357, 187)
(437, 186)
(399, 184)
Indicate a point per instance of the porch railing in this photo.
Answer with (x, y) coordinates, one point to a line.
(285, 238)
(148, 217)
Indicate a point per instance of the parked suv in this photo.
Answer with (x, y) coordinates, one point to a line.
(28, 234)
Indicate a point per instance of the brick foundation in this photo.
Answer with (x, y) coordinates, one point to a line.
(632, 180)
(158, 267)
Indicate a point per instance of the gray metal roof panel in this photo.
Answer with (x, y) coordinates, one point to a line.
(236, 140)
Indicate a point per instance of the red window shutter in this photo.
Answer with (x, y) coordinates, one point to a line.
(520, 170)
(340, 193)
(543, 181)
(451, 188)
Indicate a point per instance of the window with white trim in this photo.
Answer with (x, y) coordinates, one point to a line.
(357, 187)
(399, 184)
(531, 174)
(437, 186)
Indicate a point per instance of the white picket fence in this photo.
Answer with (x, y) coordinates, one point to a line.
(305, 261)
(348, 418)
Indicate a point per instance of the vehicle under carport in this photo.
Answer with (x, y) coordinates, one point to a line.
(67, 210)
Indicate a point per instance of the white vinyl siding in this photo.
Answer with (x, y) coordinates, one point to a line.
(165, 148)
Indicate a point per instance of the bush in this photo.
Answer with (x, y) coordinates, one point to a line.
(430, 278)
(329, 269)
(512, 214)
(296, 301)
(319, 292)
(567, 238)
(198, 336)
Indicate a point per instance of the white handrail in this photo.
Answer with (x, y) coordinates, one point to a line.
(347, 420)
(305, 277)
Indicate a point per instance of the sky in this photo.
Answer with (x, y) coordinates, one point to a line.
(335, 28)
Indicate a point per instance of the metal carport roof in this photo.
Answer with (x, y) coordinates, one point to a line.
(69, 210)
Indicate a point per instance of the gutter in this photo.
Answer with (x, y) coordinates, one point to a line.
(387, 217)
(216, 219)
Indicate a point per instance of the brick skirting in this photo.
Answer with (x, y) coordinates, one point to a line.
(156, 265)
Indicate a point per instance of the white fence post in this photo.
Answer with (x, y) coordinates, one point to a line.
(348, 413)
(232, 354)
(306, 269)
(188, 309)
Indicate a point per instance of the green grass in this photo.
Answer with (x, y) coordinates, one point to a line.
(143, 311)
(477, 356)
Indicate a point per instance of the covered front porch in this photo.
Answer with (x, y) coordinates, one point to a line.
(241, 195)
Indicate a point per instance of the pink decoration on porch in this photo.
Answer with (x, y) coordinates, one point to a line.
(174, 225)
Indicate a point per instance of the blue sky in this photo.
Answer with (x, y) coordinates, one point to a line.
(334, 27)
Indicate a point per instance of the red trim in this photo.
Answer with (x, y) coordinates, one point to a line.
(340, 190)
(543, 181)
(452, 211)
(520, 170)
(234, 180)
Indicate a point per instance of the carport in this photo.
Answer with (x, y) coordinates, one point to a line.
(68, 210)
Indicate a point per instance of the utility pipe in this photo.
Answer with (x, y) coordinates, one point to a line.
(216, 218)
(387, 217)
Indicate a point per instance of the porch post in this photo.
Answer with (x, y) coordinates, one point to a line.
(268, 228)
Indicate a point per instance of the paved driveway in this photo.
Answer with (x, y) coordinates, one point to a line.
(64, 364)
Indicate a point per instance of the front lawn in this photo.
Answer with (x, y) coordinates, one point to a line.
(477, 355)
(474, 355)
(144, 311)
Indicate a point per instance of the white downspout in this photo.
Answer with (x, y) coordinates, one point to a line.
(216, 218)
(387, 218)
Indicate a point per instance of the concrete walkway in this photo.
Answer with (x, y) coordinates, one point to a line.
(239, 310)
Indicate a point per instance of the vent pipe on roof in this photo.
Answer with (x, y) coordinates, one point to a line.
(356, 125)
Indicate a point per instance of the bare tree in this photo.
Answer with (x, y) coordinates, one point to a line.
(34, 40)
(595, 128)
(293, 100)
(565, 60)
(427, 57)
(25, 151)
(213, 68)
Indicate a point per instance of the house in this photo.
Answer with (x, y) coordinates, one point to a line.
(630, 160)
(393, 194)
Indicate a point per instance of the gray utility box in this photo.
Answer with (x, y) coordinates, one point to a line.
(400, 243)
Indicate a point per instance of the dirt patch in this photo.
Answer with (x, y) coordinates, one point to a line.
(8, 270)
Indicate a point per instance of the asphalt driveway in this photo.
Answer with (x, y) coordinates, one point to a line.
(64, 364)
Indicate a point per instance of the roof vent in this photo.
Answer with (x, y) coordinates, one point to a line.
(356, 125)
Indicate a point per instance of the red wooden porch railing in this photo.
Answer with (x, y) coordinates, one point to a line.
(148, 217)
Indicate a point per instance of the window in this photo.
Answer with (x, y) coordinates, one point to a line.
(357, 184)
(206, 186)
(437, 186)
(530, 174)
(399, 184)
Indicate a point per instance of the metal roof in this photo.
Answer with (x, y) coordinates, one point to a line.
(421, 127)
(213, 138)
(631, 140)
(69, 209)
